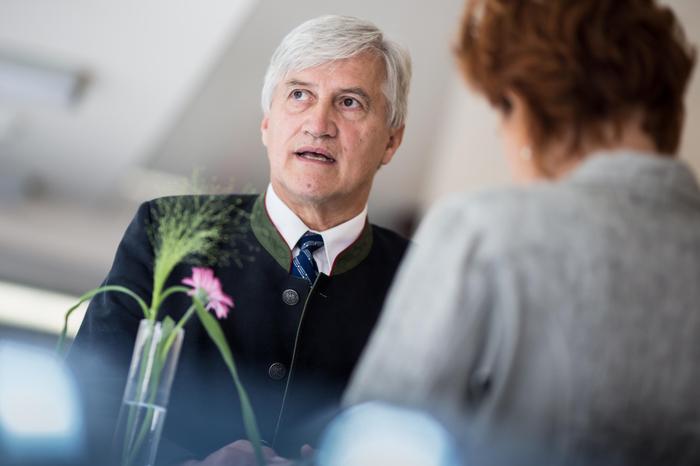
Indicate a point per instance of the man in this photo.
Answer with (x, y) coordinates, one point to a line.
(334, 102)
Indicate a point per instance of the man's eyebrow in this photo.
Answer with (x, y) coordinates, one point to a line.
(296, 82)
(358, 91)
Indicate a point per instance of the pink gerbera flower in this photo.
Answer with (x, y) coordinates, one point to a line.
(207, 287)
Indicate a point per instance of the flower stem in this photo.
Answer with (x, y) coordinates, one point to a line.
(250, 424)
(90, 295)
(173, 334)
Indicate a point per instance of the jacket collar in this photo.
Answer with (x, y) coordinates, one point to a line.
(273, 242)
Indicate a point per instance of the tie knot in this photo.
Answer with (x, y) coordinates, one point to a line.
(310, 242)
(304, 265)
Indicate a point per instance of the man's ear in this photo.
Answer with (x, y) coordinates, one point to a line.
(263, 129)
(393, 143)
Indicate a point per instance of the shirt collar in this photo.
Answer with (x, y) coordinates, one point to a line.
(291, 227)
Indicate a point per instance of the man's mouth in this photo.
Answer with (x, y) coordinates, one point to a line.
(315, 154)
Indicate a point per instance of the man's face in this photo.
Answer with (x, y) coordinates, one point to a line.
(326, 133)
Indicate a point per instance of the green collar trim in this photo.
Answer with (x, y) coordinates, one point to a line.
(355, 253)
(271, 239)
(268, 236)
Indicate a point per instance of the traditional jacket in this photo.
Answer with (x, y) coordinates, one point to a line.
(295, 345)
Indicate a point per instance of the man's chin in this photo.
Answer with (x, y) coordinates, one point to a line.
(311, 194)
(315, 197)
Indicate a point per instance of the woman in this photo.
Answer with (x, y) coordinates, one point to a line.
(561, 319)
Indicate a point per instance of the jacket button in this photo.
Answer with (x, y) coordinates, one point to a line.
(277, 371)
(290, 297)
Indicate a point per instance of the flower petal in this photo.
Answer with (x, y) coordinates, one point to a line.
(203, 280)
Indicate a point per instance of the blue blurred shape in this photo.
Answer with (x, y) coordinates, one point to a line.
(40, 413)
(377, 433)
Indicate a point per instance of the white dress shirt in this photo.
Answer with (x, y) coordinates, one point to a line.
(291, 227)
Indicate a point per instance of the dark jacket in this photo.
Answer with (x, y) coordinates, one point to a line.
(295, 346)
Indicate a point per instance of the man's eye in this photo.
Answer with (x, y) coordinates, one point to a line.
(349, 102)
(299, 95)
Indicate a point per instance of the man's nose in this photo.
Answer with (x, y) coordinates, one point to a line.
(320, 121)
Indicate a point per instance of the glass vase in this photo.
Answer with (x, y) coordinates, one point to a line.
(151, 374)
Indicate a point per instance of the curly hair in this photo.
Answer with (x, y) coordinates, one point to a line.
(580, 65)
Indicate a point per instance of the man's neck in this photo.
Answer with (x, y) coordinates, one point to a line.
(324, 215)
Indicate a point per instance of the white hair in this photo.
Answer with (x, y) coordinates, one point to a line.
(331, 37)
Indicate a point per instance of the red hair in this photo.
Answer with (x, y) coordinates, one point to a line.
(580, 65)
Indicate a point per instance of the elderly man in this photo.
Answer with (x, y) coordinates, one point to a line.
(334, 102)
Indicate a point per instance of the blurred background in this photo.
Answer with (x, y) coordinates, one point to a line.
(105, 104)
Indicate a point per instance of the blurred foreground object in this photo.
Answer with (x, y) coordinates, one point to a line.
(41, 419)
(380, 434)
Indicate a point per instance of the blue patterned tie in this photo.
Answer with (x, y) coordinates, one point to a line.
(304, 265)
